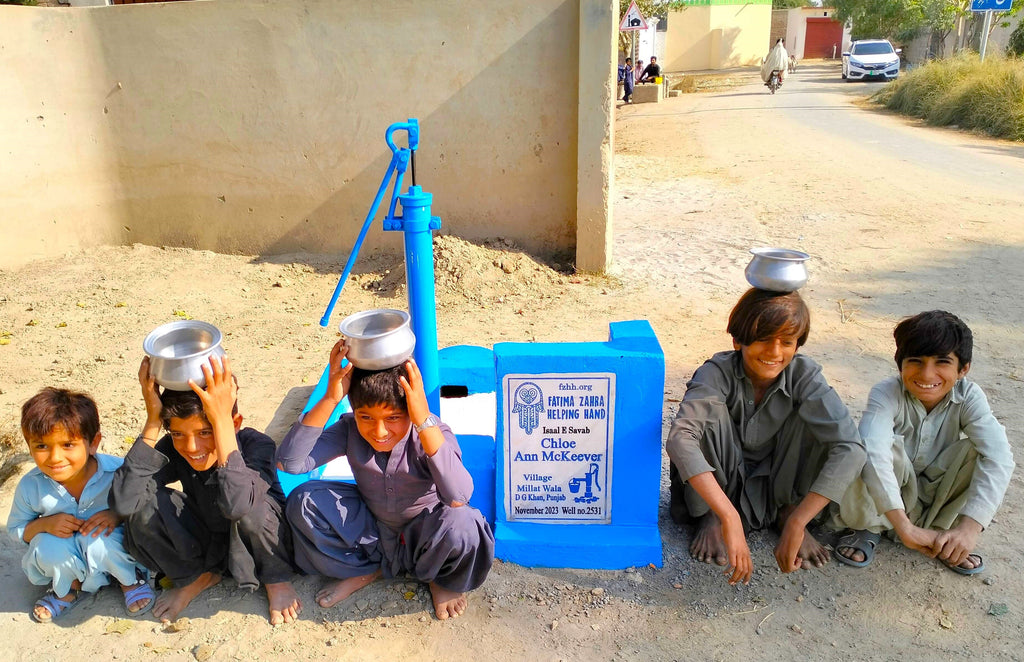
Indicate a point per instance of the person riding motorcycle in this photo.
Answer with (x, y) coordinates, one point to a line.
(776, 60)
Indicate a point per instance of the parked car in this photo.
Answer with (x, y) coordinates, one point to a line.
(871, 59)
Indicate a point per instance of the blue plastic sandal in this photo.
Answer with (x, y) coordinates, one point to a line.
(56, 606)
(140, 591)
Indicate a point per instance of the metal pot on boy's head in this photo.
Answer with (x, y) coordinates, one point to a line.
(378, 339)
(178, 350)
(777, 269)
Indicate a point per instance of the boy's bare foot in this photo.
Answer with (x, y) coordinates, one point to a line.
(708, 544)
(447, 604)
(336, 591)
(285, 605)
(812, 553)
(173, 601)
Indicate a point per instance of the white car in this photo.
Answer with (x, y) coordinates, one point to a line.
(871, 59)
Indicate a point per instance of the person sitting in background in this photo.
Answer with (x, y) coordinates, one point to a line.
(652, 71)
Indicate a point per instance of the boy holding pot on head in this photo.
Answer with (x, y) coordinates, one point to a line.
(760, 439)
(408, 511)
(228, 517)
(938, 462)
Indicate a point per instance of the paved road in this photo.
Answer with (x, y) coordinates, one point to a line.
(817, 99)
(897, 215)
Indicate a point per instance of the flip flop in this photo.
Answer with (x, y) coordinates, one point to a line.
(862, 541)
(968, 571)
(56, 606)
(139, 591)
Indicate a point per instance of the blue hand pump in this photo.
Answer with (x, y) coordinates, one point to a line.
(416, 223)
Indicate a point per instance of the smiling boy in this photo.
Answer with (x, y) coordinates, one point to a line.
(228, 516)
(938, 462)
(408, 512)
(760, 439)
(75, 542)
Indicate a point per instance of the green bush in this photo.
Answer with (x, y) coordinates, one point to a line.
(1015, 46)
(963, 90)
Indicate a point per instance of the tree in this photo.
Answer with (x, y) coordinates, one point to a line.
(890, 19)
(902, 20)
(1015, 46)
(650, 9)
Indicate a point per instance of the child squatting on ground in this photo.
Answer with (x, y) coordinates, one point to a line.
(75, 542)
(408, 511)
(760, 438)
(229, 515)
(938, 460)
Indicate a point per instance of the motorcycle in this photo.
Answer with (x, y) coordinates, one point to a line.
(774, 80)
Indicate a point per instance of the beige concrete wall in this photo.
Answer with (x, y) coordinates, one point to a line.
(257, 126)
(688, 40)
(717, 36)
(597, 93)
(745, 29)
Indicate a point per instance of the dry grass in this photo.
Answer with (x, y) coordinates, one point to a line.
(964, 91)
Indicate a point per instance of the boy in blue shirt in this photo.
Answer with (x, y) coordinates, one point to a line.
(938, 461)
(75, 542)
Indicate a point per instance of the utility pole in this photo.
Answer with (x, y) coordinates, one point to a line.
(985, 29)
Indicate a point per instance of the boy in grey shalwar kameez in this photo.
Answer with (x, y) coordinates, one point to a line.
(407, 512)
(760, 439)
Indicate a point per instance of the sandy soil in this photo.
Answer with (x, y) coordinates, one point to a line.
(689, 202)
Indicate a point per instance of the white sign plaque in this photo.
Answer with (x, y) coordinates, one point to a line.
(558, 464)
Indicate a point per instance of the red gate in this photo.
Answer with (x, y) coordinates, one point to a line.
(823, 34)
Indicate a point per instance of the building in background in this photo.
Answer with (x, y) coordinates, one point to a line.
(810, 32)
(717, 34)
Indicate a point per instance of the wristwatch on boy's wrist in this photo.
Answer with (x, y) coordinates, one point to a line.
(430, 421)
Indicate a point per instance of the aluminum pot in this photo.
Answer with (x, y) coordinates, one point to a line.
(777, 269)
(178, 350)
(378, 339)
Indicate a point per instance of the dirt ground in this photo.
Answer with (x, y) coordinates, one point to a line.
(692, 196)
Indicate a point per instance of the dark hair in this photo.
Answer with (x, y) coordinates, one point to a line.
(762, 314)
(933, 333)
(52, 407)
(184, 404)
(378, 387)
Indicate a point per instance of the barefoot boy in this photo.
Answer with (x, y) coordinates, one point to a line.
(228, 516)
(938, 460)
(760, 439)
(75, 543)
(408, 511)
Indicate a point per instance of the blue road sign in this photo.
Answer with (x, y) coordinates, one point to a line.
(991, 5)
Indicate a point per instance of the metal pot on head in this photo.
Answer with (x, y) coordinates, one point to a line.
(178, 350)
(378, 339)
(777, 269)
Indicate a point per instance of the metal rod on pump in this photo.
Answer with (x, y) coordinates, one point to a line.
(399, 162)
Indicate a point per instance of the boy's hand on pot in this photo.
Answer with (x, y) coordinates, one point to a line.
(219, 396)
(415, 396)
(150, 392)
(338, 378)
